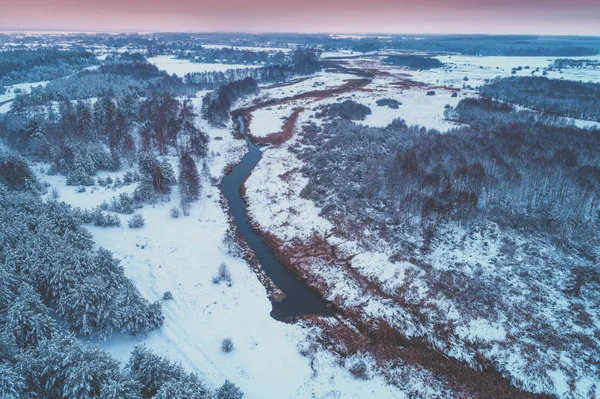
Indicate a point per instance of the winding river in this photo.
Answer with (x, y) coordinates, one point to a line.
(299, 299)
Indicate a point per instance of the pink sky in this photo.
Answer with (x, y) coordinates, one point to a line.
(577, 17)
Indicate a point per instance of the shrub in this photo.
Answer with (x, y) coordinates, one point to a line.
(431, 93)
(229, 391)
(227, 345)
(105, 220)
(413, 61)
(174, 212)
(359, 370)
(223, 275)
(124, 204)
(389, 102)
(136, 221)
(347, 110)
(167, 296)
(55, 193)
(128, 178)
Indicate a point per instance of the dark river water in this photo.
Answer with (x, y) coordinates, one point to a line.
(299, 298)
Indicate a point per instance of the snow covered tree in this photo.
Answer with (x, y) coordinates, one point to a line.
(28, 318)
(184, 387)
(156, 174)
(120, 386)
(65, 368)
(229, 391)
(12, 384)
(151, 371)
(189, 181)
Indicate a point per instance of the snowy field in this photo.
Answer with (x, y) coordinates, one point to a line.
(319, 81)
(182, 67)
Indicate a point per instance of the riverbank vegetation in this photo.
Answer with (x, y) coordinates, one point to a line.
(513, 182)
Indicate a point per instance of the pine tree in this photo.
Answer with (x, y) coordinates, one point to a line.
(120, 387)
(28, 318)
(151, 371)
(12, 384)
(229, 391)
(185, 387)
(189, 181)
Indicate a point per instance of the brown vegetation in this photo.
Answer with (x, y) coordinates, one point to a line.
(286, 133)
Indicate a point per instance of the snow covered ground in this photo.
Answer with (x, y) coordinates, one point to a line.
(181, 67)
(10, 93)
(273, 192)
(319, 81)
(181, 256)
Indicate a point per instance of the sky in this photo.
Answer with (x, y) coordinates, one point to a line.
(559, 17)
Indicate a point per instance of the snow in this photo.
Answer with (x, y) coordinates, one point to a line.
(23, 87)
(275, 204)
(478, 69)
(266, 121)
(334, 54)
(319, 81)
(482, 329)
(417, 108)
(182, 67)
(266, 186)
(182, 255)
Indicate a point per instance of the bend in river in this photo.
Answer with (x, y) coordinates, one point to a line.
(299, 298)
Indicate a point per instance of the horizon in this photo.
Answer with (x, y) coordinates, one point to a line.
(10, 31)
(431, 17)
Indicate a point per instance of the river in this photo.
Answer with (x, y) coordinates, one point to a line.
(299, 299)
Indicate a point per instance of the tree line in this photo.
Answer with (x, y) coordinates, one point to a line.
(217, 103)
(561, 97)
(300, 62)
(79, 138)
(515, 167)
(115, 79)
(231, 55)
(39, 64)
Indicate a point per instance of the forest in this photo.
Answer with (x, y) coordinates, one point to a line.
(559, 97)
(116, 79)
(231, 55)
(59, 287)
(566, 63)
(50, 270)
(413, 61)
(503, 168)
(301, 62)
(17, 66)
(217, 104)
